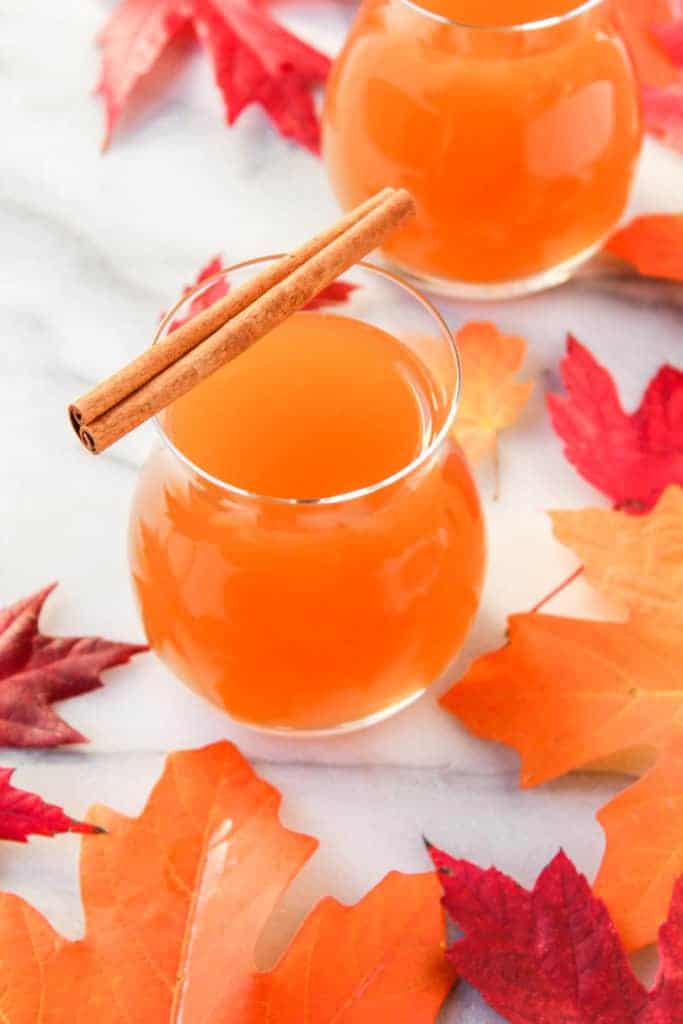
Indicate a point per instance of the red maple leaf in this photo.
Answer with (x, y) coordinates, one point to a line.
(630, 458)
(663, 105)
(333, 294)
(663, 110)
(36, 670)
(337, 292)
(23, 814)
(670, 38)
(255, 59)
(206, 298)
(553, 954)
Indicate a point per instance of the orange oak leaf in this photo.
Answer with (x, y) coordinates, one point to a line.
(644, 849)
(653, 244)
(492, 395)
(636, 561)
(176, 900)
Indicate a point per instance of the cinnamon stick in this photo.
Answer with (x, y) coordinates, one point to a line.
(170, 348)
(220, 333)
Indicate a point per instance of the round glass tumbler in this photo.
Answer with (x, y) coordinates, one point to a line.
(519, 143)
(314, 613)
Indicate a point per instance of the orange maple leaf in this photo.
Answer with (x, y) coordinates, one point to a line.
(644, 853)
(653, 244)
(570, 693)
(492, 396)
(175, 901)
(637, 561)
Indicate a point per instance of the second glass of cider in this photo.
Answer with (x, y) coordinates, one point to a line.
(514, 123)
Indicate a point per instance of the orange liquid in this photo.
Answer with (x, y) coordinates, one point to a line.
(519, 147)
(303, 615)
(492, 13)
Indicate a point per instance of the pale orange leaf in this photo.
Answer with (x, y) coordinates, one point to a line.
(636, 561)
(492, 395)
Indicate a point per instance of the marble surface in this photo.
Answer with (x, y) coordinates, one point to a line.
(93, 248)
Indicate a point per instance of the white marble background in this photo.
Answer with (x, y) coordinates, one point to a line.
(93, 247)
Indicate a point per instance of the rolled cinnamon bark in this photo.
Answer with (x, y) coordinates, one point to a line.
(220, 333)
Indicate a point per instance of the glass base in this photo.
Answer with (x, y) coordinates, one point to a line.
(494, 290)
(291, 732)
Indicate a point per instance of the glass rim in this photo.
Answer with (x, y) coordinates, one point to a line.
(581, 7)
(332, 499)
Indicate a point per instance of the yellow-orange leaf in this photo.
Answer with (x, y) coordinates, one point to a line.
(492, 396)
(653, 244)
(567, 692)
(644, 853)
(634, 560)
(175, 901)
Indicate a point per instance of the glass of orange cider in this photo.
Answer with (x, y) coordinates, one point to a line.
(514, 123)
(306, 542)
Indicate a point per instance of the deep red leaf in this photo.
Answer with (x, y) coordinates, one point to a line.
(666, 1002)
(670, 38)
(258, 61)
(255, 59)
(206, 298)
(23, 814)
(663, 110)
(629, 457)
(634, 19)
(217, 290)
(36, 670)
(553, 954)
(336, 293)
